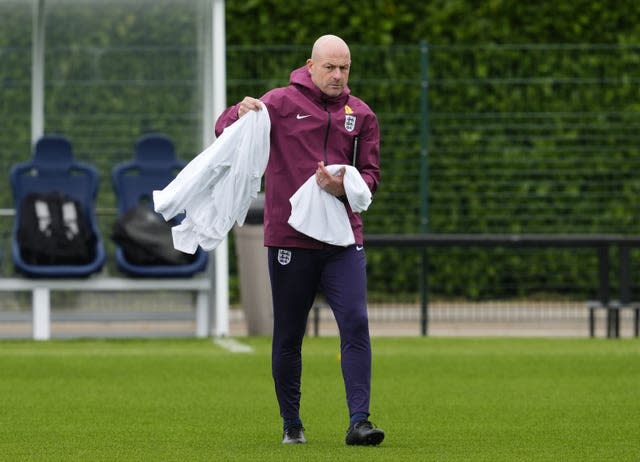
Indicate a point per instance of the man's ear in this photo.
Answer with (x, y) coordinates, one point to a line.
(309, 64)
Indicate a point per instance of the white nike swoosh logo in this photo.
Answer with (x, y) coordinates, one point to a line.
(300, 116)
(359, 248)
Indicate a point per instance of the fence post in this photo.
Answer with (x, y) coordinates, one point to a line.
(603, 274)
(624, 264)
(424, 178)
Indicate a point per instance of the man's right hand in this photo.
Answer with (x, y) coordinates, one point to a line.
(248, 104)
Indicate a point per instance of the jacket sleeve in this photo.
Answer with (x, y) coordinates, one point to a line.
(228, 116)
(368, 153)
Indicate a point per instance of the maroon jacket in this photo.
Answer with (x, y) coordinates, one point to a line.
(306, 127)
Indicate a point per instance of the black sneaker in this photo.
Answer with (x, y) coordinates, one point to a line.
(294, 435)
(364, 433)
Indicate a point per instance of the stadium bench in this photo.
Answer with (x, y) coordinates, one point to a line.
(41, 292)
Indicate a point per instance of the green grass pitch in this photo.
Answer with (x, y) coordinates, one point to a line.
(438, 399)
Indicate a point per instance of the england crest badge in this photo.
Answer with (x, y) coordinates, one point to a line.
(284, 256)
(350, 122)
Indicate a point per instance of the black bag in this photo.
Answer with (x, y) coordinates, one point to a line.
(145, 238)
(54, 230)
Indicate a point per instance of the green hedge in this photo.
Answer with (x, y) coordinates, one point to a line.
(522, 138)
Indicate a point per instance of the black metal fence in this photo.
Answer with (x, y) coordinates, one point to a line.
(600, 246)
(482, 140)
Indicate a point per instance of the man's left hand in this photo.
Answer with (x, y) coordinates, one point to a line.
(330, 183)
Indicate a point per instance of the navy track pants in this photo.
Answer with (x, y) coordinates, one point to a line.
(296, 276)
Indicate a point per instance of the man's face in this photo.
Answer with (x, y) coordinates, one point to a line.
(330, 73)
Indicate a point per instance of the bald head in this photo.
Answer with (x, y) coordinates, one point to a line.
(329, 64)
(330, 45)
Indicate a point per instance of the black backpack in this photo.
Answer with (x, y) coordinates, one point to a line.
(145, 238)
(53, 230)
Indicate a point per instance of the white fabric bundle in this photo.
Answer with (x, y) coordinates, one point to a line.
(323, 216)
(217, 187)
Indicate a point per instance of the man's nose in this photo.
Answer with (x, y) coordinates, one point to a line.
(337, 73)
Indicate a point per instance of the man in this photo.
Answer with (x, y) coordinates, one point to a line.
(315, 121)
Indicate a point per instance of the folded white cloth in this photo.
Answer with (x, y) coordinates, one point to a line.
(323, 216)
(217, 187)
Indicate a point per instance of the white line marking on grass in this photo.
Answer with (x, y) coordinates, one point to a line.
(232, 345)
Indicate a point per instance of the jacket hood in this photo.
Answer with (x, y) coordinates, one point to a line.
(301, 79)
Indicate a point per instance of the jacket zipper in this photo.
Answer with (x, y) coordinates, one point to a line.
(326, 138)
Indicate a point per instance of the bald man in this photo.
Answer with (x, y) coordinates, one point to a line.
(315, 122)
